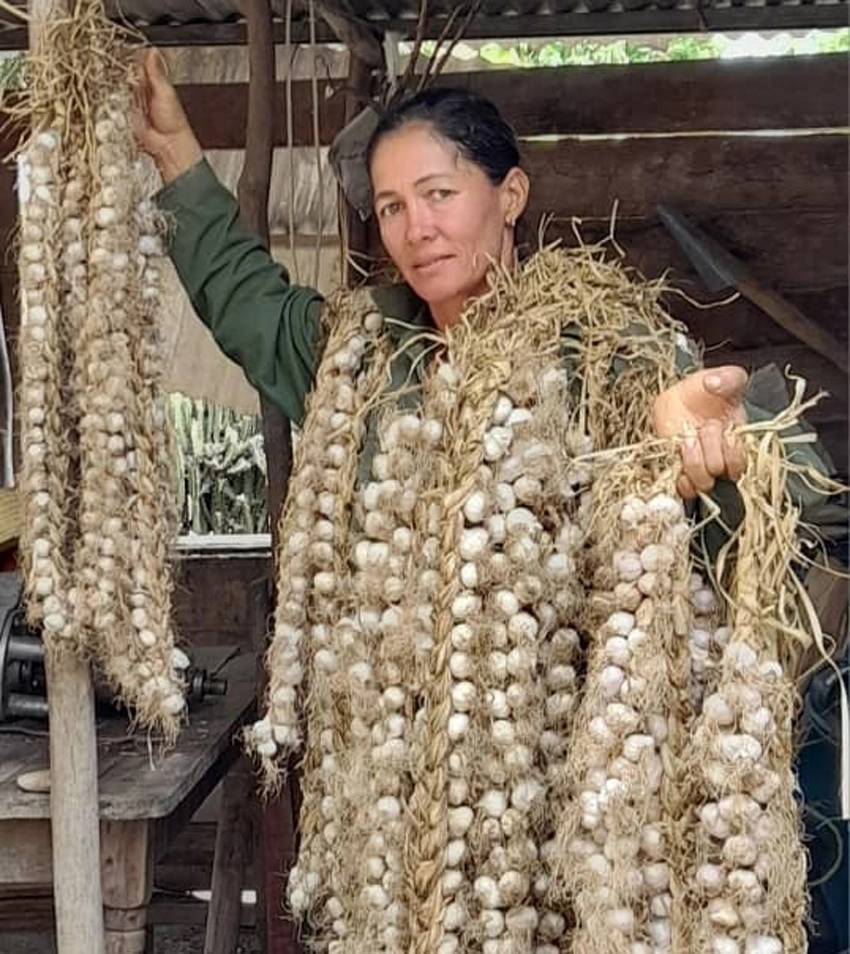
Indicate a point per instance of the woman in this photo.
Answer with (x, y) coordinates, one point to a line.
(447, 192)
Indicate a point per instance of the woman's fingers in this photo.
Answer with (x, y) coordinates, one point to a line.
(153, 64)
(694, 465)
(733, 452)
(159, 122)
(685, 487)
(712, 443)
(158, 98)
(156, 72)
(143, 89)
(728, 382)
(713, 452)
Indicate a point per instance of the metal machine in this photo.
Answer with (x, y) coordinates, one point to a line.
(23, 686)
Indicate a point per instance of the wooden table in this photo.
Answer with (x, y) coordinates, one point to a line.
(146, 797)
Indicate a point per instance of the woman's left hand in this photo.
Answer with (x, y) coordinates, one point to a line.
(701, 410)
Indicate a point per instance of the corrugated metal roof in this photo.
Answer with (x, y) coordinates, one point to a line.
(212, 22)
(219, 11)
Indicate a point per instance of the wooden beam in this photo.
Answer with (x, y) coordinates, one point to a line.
(127, 875)
(699, 175)
(792, 249)
(785, 93)
(232, 853)
(803, 92)
(273, 825)
(74, 805)
(789, 317)
(774, 16)
(255, 179)
(740, 324)
(646, 21)
(218, 113)
(198, 33)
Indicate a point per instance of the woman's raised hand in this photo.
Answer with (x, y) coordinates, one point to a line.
(701, 410)
(160, 122)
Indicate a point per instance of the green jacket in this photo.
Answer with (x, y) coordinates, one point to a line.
(271, 327)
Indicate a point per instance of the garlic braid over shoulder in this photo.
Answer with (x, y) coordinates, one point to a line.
(95, 475)
(314, 575)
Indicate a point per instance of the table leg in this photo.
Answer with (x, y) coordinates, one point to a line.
(127, 875)
(232, 850)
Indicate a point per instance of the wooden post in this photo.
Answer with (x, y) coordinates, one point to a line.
(74, 816)
(232, 847)
(275, 819)
(74, 806)
(237, 820)
(356, 230)
(127, 873)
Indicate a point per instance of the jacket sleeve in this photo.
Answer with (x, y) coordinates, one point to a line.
(268, 326)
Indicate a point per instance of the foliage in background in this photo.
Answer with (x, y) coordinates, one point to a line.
(12, 71)
(220, 468)
(594, 53)
(713, 46)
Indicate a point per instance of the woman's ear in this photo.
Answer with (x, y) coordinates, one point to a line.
(514, 190)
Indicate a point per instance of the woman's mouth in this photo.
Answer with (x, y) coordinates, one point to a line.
(430, 264)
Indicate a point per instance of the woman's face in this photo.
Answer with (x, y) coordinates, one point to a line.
(442, 220)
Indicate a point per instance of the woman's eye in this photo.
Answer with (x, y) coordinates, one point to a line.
(440, 195)
(391, 208)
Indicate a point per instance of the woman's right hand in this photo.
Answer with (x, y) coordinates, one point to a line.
(160, 122)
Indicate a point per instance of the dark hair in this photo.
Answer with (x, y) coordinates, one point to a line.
(469, 121)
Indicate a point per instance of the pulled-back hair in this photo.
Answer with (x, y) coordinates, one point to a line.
(469, 121)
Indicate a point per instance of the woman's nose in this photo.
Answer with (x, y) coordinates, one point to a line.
(420, 223)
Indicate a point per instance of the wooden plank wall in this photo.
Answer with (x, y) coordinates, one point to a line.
(714, 142)
(777, 203)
